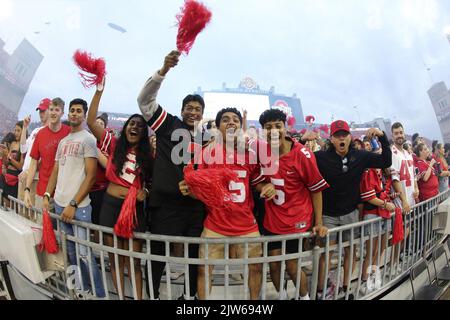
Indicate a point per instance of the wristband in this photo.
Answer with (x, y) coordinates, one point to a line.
(27, 189)
(47, 195)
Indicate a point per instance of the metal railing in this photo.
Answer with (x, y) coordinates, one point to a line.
(391, 267)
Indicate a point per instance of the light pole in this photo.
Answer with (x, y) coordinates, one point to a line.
(357, 111)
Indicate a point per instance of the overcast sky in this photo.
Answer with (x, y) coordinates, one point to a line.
(335, 54)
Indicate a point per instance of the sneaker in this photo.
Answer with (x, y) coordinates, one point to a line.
(236, 276)
(84, 295)
(283, 295)
(342, 295)
(396, 270)
(364, 289)
(184, 298)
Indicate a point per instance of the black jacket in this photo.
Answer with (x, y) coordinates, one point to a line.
(343, 196)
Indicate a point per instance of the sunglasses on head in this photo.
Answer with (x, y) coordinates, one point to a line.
(344, 165)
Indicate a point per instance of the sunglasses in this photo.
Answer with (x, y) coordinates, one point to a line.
(344, 165)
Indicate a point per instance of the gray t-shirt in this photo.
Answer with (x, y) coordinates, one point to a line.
(71, 155)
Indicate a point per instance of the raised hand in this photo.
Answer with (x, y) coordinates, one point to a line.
(170, 62)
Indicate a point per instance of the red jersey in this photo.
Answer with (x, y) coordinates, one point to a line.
(101, 182)
(228, 223)
(44, 150)
(291, 211)
(428, 189)
(373, 186)
(129, 170)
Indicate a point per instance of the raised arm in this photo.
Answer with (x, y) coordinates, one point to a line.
(95, 128)
(23, 136)
(147, 98)
(383, 160)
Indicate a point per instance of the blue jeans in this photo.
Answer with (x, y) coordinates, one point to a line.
(82, 215)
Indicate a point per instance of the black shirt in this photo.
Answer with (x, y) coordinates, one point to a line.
(167, 174)
(343, 196)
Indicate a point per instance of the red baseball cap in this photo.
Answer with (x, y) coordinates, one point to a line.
(339, 125)
(44, 104)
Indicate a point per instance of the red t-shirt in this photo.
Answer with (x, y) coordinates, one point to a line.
(129, 171)
(291, 211)
(101, 182)
(229, 223)
(44, 149)
(372, 187)
(428, 189)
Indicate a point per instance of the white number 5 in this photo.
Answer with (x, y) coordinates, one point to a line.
(280, 197)
(239, 186)
(306, 153)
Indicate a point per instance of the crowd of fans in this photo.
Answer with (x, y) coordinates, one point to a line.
(319, 184)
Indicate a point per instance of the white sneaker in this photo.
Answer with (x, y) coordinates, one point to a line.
(236, 276)
(84, 295)
(396, 270)
(283, 295)
(364, 289)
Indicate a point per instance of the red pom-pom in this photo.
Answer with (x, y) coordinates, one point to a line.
(398, 233)
(192, 19)
(96, 68)
(303, 131)
(310, 119)
(291, 121)
(127, 221)
(48, 240)
(211, 186)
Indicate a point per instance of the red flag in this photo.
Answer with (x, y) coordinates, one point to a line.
(398, 234)
(96, 68)
(192, 19)
(127, 221)
(48, 240)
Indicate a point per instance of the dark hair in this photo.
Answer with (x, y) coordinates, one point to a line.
(223, 111)
(272, 115)
(194, 98)
(58, 102)
(209, 124)
(434, 145)
(80, 102)
(143, 150)
(414, 137)
(406, 146)
(361, 144)
(447, 147)
(104, 118)
(396, 125)
(20, 125)
(9, 138)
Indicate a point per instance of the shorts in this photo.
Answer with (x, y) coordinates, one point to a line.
(237, 251)
(335, 222)
(386, 225)
(96, 203)
(292, 246)
(111, 210)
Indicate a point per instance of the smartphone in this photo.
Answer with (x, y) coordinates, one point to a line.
(374, 143)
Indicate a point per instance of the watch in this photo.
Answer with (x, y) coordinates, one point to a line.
(74, 204)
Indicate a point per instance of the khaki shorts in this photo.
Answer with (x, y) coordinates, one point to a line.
(237, 251)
